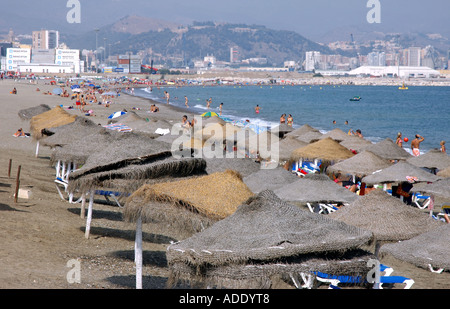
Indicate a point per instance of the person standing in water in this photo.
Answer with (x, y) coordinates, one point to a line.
(257, 108)
(220, 108)
(186, 101)
(415, 144)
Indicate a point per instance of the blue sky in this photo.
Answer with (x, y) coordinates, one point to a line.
(311, 18)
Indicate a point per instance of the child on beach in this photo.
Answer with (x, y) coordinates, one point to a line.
(443, 147)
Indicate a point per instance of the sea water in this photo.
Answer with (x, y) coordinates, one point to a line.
(382, 112)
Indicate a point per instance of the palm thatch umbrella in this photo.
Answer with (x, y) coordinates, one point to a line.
(244, 166)
(433, 159)
(388, 218)
(302, 130)
(282, 241)
(287, 145)
(281, 130)
(265, 144)
(429, 250)
(28, 113)
(269, 179)
(356, 144)
(336, 134)
(213, 120)
(387, 149)
(439, 188)
(142, 124)
(50, 119)
(445, 173)
(362, 164)
(315, 188)
(325, 149)
(398, 173)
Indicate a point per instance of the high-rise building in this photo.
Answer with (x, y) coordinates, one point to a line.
(45, 39)
(234, 54)
(377, 59)
(312, 60)
(414, 56)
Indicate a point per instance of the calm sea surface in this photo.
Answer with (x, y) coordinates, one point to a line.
(381, 113)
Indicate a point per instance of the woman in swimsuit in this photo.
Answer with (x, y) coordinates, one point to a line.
(399, 139)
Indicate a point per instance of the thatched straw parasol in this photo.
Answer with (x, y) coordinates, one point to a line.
(281, 129)
(387, 149)
(243, 166)
(325, 149)
(265, 144)
(287, 145)
(142, 124)
(386, 216)
(269, 179)
(427, 250)
(356, 143)
(362, 164)
(315, 188)
(433, 159)
(444, 173)
(439, 188)
(282, 241)
(336, 134)
(28, 113)
(302, 130)
(398, 173)
(213, 120)
(50, 119)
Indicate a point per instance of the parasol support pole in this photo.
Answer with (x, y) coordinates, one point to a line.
(83, 205)
(138, 253)
(9, 168)
(37, 149)
(89, 216)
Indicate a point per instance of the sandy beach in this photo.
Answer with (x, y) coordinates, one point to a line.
(41, 235)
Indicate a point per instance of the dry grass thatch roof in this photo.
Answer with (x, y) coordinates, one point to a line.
(398, 173)
(432, 159)
(302, 130)
(356, 143)
(281, 239)
(215, 196)
(364, 163)
(325, 149)
(287, 145)
(444, 173)
(336, 134)
(28, 113)
(439, 188)
(386, 216)
(142, 124)
(315, 188)
(430, 248)
(269, 179)
(50, 119)
(387, 149)
(243, 166)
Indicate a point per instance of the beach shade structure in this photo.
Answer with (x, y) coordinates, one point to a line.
(445, 173)
(362, 164)
(287, 145)
(116, 114)
(244, 166)
(302, 130)
(315, 188)
(325, 149)
(57, 91)
(432, 160)
(50, 119)
(77, 90)
(269, 179)
(138, 123)
(210, 114)
(281, 129)
(429, 250)
(213, 120)
(439, 188)
(74, 86)
(356, 144)
(28, 113)
(264, 144)
(388, 218)
(336, 134)
(387, 149)
(398, 173)
(310, 137)
(282, 242)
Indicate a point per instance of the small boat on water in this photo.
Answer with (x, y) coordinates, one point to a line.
(403, 87)
(355, 99)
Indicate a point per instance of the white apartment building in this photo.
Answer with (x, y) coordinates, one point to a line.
(312, 60)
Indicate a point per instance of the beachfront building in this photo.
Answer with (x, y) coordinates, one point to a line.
(33, 68)
(395, 71)
(129, 64)
(45, 39)
(414, 56)
(312, 60)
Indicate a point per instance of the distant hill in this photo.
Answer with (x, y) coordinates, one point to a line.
(171, 42)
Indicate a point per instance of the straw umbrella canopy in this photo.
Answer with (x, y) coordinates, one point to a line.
(387, 149)
(356, 143)
(213, 120)
(325, 149)
(142, 124)
(433, 159)
(444, 173)
(398, 173)
(265, 144)
(50, 119)
(440, 188)
(315, 188)
(336, 134)
(28, 113)
(243, 166)
(302, 130)
(426, 250)
(388, 218)
(287, 145)
(362, 164)
(269, 179)
(310, 137)
(281, 129)
(198, 201)
(282, 241)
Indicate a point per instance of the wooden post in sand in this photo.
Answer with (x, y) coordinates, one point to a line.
(37, 148)
(89, 216)
(83, 205)
(138, 253)
(17, 184)
(9, 168)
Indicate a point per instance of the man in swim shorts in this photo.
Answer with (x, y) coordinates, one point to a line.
(415, 144)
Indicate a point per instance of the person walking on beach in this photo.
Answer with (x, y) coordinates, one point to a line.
(283, 118)
(290, 120)
(443, 147)
(208, 103)
(186, 101)
(415, 144)
(399, 140)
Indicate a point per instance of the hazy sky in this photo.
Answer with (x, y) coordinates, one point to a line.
(311, 18)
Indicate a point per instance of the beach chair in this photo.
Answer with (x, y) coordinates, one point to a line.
(63, 171)
(111, 194)
(420, 200)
